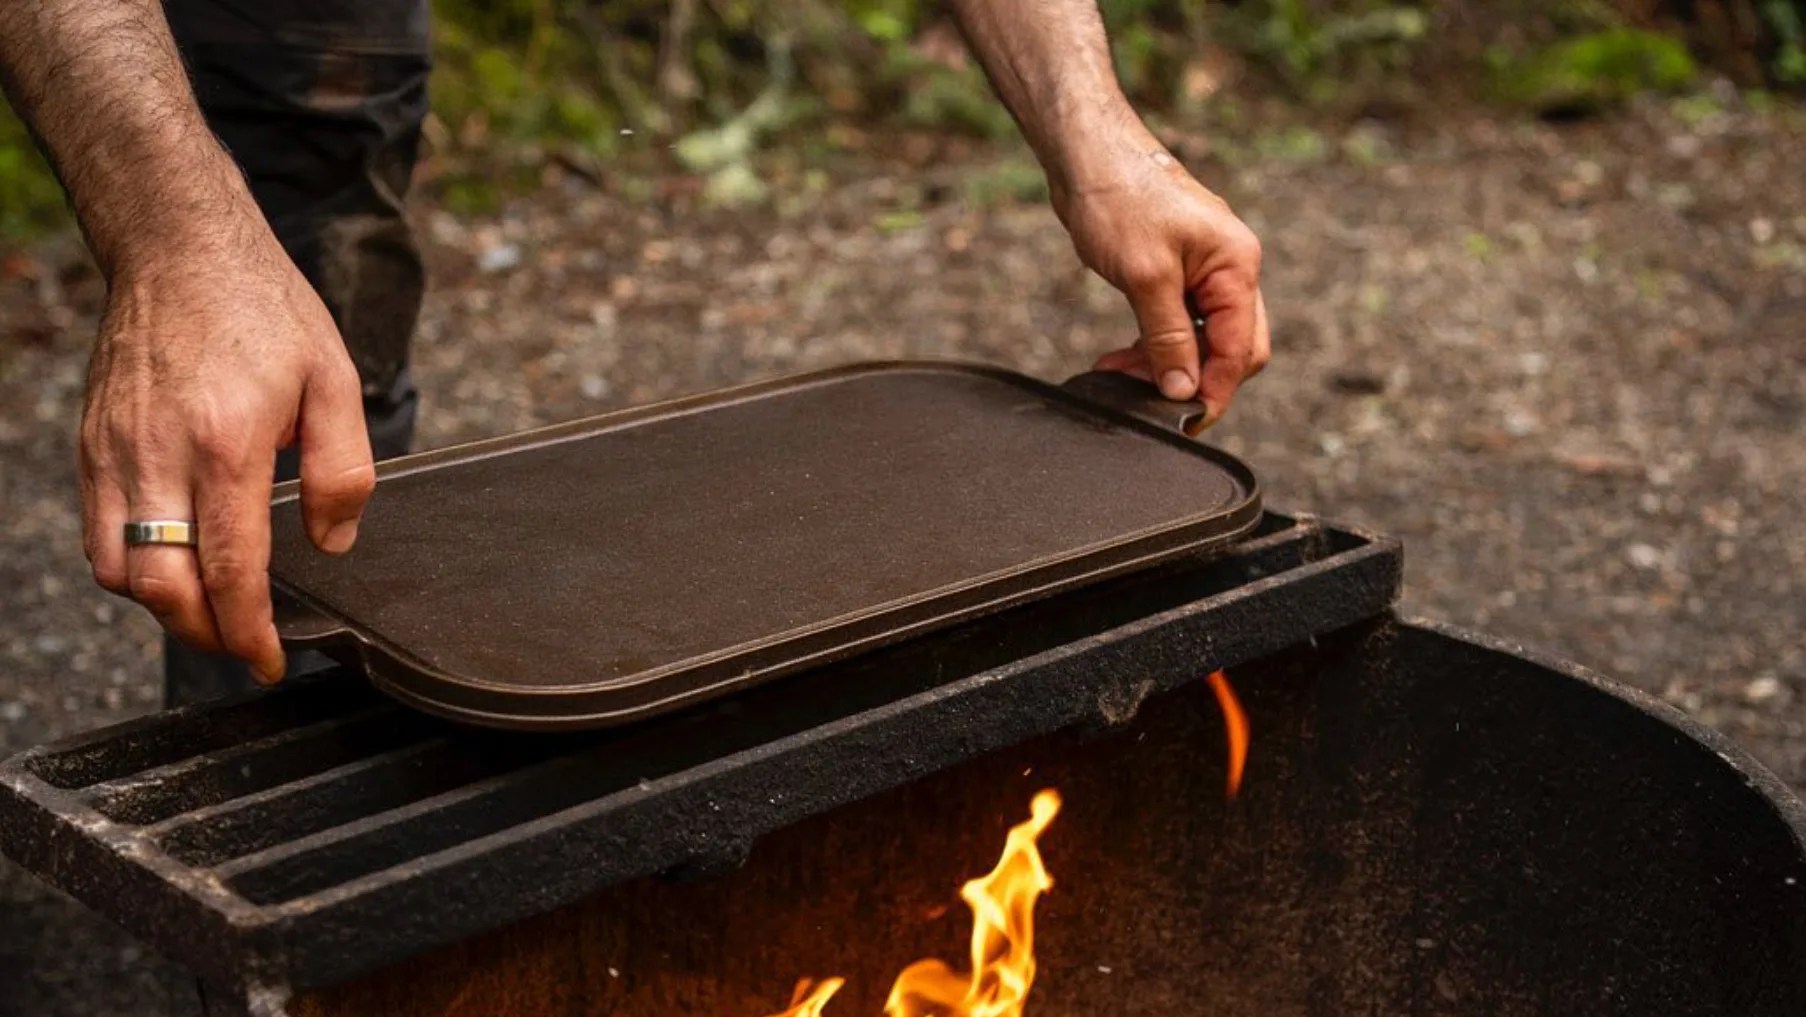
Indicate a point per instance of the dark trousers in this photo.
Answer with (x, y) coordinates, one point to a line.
(321, 103)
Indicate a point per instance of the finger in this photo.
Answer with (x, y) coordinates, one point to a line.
(1227, 299)
(1132, 361)
(232, 504)
(166, 579)
(1263, 339)
(337, 474)
(1167, 335)
(104, 516)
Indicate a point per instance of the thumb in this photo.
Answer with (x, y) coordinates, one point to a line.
(337, 474)
(1167, 336)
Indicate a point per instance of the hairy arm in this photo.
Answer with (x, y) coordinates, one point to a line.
(1136, 216)
(213, 352)
(102, 87)
(1050, 64)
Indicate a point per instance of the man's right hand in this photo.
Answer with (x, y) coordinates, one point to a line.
(214, 352)
(208, 362)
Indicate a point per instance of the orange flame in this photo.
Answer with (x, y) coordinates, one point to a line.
(1003, 936)
(1237, 723)
(810, 997)
(1003, 940)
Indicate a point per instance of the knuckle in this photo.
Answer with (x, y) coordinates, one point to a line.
(89, 436)
(1142, 275)
(156, 592)
(350, 486)
(244, 641)
(1169, 341)
(117, 432)
(223, 439)
(342, 488)
(226, 574)
(1245, 249)
(109, 577)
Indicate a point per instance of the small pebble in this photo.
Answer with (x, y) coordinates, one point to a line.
(1762, 689)
(1521, 423)
(499, 258)
(1643, 556)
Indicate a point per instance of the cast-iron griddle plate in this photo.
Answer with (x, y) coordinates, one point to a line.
(599, 571)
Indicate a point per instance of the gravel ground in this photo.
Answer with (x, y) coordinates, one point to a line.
(1567, 364)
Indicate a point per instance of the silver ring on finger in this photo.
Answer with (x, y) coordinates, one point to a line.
(173, 532)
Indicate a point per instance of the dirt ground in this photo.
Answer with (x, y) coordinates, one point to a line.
(1565, 363)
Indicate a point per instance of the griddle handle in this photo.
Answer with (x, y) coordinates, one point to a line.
(1139, 399)
(300, 626)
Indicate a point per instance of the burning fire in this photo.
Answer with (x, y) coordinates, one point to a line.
(810, 997)
(1237, 723)
(1003, 916)
(1003, 941)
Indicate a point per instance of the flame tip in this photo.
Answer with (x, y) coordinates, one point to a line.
(1235, 722)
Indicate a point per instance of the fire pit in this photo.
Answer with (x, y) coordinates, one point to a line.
(1429, 823)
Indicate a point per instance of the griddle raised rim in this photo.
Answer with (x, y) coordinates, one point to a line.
(472, 699)
(196, 914)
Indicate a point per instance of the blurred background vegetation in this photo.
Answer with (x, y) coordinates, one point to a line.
(633, 86)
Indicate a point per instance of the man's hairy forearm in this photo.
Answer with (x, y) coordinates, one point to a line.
(102, 86)
(1049, 61)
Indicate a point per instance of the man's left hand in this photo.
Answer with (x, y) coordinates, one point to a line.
(1179, 254)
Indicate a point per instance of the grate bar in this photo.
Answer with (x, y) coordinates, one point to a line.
(370, 843)
(274, 759)
(168, 738)
(375, 784)
(318, 831)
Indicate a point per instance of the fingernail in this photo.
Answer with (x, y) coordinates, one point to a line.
(269, 673)
(340, 538)
(1175, 384)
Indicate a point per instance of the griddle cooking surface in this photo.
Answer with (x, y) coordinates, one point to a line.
(605, 556)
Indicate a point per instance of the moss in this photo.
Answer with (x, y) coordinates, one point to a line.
(1598, 70)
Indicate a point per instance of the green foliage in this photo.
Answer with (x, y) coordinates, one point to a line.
(514, 68)
(1598, 70)
(596, 82)
(1315, 46)
(1785, 19)
(1296, 146)
(1017, 180)
(30, 200)
(959, 100)
(888, 21)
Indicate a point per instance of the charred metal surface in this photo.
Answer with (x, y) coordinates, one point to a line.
(1431, 825)
(309, 835)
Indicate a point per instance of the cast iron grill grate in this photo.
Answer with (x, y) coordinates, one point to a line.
(320, 831)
